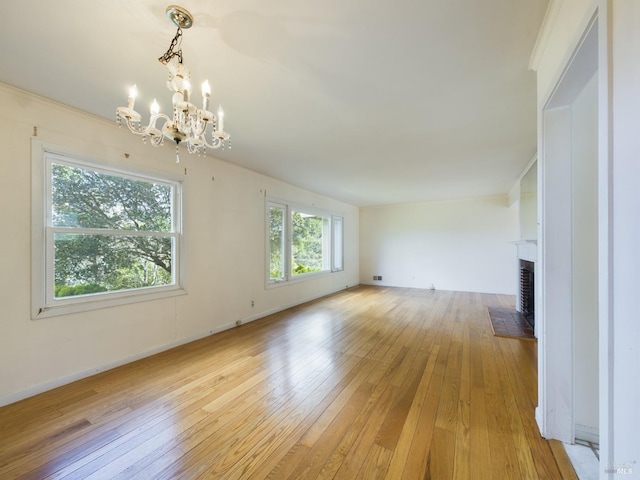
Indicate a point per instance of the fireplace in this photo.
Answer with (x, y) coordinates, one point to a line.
(527, 291)
(526, 300)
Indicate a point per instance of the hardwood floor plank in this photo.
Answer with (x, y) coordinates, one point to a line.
(213, 445)
(461, 458)
(368, 383)
(519, 441)
(403, 445)
(372, 412)
(310, 461)
(522, 374)
(503, 455)
(159, 412)
(480, 460)
(355, 456)
(391, 426)
(562, 460)
(263, 456)
(447, 418)
(375, 466)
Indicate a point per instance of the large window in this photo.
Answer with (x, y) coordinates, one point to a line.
(302, 242)
(104, 235)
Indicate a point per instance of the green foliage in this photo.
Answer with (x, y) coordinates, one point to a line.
(89, 199)
(110, 256)
(307, 233)
(68, 291)
(306, 243)
(276, 242)
(298, 269)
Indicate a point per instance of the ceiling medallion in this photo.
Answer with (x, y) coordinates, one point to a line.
(189, 124)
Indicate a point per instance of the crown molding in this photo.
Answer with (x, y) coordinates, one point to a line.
(544, 33)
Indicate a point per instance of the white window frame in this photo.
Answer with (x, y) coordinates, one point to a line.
(337, 249)
(43, 302)
(331, 265)
(286, 248)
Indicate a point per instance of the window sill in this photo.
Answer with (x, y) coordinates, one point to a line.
(299, 278)
(114, 300)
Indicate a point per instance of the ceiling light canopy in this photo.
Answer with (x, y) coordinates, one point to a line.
(197, 127)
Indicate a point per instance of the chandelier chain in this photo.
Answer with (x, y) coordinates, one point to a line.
(166, 58)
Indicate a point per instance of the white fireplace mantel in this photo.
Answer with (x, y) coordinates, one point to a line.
(527, 250)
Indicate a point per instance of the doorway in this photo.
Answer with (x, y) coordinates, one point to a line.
(568, 251)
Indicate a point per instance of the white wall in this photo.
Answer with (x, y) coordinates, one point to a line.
(224, 251)
(528, 203)
(584, 121)
(620, 235)
(462, 245)
(528, 216)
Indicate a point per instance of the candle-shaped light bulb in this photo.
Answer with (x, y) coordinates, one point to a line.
(133, 93)
(155, 108)
(220, 119)
(186, 89)
(206, 93)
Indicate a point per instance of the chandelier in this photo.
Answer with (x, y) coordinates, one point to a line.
(198, 128)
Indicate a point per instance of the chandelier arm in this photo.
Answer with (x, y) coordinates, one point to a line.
(158, 116)
(131, 125)
(156, 140)
(149, 130)
(199, 144)
(200, 132)
(217, 143)
(218, 140)
(145, 130)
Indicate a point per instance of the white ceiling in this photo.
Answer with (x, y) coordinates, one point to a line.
(371, 102)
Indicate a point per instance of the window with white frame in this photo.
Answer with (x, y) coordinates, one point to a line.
(301, 242)
(337, 262)
(104, 235)
(277, 217)
(310, 242)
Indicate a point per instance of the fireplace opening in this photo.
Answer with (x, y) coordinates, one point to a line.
(527, 297)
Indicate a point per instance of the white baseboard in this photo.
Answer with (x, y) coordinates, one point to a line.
(540, 422)
(588, 434)
(58, 382)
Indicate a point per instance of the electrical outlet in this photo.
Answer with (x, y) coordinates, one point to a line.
(253, 304)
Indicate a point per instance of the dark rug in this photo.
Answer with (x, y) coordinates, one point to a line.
(508, 322)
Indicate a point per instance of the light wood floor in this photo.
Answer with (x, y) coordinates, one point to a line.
(369, 383)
